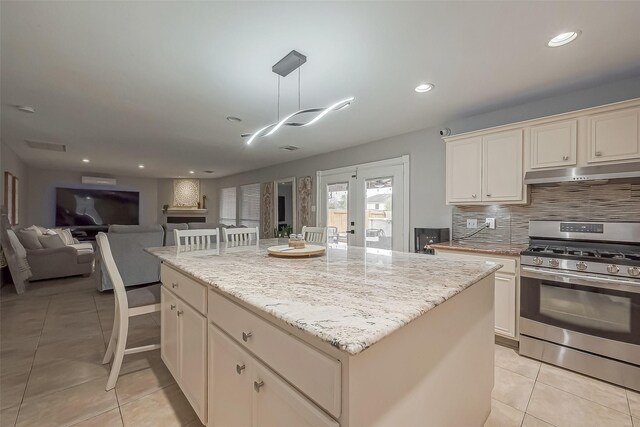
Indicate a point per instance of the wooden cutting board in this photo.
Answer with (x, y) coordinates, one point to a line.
(285, 251)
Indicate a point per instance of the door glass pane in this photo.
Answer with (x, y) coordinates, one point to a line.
(378, 214)
(337, 214)
(596, 311)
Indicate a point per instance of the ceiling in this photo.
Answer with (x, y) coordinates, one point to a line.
(124, 83)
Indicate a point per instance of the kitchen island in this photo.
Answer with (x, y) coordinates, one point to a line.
(349, 338)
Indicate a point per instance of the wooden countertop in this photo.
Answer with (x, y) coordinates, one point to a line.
(489, 248)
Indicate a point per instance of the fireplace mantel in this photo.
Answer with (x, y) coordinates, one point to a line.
(186, 211)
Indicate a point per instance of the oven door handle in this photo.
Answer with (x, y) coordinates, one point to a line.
(584, 280)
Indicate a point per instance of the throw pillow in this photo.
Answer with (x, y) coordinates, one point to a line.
(35, 229)
(29, 239)
(65, 235)
(50, 242)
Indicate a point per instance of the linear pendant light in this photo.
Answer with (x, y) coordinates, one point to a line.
(292, 61)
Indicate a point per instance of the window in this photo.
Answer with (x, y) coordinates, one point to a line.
(228, 206)
(250, 205)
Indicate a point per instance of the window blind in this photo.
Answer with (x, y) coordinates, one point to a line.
(228, 206)
(250, 205)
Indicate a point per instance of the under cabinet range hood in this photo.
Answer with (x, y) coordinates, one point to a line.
(585, 173)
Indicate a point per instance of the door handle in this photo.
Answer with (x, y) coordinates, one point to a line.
(246, 336)
(257, 385)
(240, 368)
(351, 231)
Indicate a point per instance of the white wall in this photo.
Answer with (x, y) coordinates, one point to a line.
(10, 162)
(42, 194)
(426, 152)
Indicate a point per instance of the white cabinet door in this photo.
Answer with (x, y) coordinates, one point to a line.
(277, 404)
(505, 305)
(502, 166)
(192, 357)
(230, 385)
(464, 170)
(169, 331)
(614, 136)
(554, 144)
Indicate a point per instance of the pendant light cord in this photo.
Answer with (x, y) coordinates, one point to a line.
(278, 98)
(298, 85)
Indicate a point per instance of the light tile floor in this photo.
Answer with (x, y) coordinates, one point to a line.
(53, 337)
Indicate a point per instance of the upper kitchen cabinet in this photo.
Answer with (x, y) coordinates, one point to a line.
(502, 167)
(553, 144)
(485, 169)
(464, 171)
(614, 136)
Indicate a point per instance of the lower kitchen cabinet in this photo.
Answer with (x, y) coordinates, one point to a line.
(169, 330)
(505, 305)
(506, 292)
(258, 396)
(183, 349)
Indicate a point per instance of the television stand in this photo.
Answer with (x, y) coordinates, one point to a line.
(89, 233)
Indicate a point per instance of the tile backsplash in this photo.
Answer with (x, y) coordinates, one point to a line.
(613, 201)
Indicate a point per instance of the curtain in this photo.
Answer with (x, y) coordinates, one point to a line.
(304, 201)
(267, 210)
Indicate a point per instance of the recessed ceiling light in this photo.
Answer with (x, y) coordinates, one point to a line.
(26, 109)
(208, 171)
(192, 172)
(564, 38)
(234, 119)
(141, 166)
(424, 87)
(85, 160)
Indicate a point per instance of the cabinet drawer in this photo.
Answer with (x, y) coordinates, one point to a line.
(192, 292)
(508, 265)
(312, 372)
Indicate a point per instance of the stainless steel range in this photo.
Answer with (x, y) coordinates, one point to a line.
(580, 298)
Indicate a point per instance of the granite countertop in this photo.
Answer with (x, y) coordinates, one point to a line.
(482, 247)
(348, 298)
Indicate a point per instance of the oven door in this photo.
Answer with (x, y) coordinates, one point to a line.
(596, 314)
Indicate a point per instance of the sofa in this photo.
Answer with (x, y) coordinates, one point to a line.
(128, 243)
(49, 256)
(136, 266)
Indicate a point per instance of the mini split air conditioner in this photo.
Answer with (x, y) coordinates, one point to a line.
(98, 180)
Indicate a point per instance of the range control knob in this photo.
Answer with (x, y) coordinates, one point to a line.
(634, 271)
(554, 262)
(537, 260)
(581, 265)
(613, 269)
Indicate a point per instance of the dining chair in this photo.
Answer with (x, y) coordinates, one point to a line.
(314, 234)
(195, 239)
(134, 302)
(241, 234)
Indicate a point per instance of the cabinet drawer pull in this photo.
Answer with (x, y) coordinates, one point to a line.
(257, 385)
(474, 196)
(180, 312)
(239, 369)
(174, 285)
(565, 157)
(598, 153)
(488, 195)
(173, 307)
(246, 336)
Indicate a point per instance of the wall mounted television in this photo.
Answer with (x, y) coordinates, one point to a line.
(77, 207)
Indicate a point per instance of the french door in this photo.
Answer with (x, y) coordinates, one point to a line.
(365, 205)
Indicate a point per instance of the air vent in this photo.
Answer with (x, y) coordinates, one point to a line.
(49, 146)
(290, 148)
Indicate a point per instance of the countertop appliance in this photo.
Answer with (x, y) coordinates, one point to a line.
(580, 298)
(425, 236)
